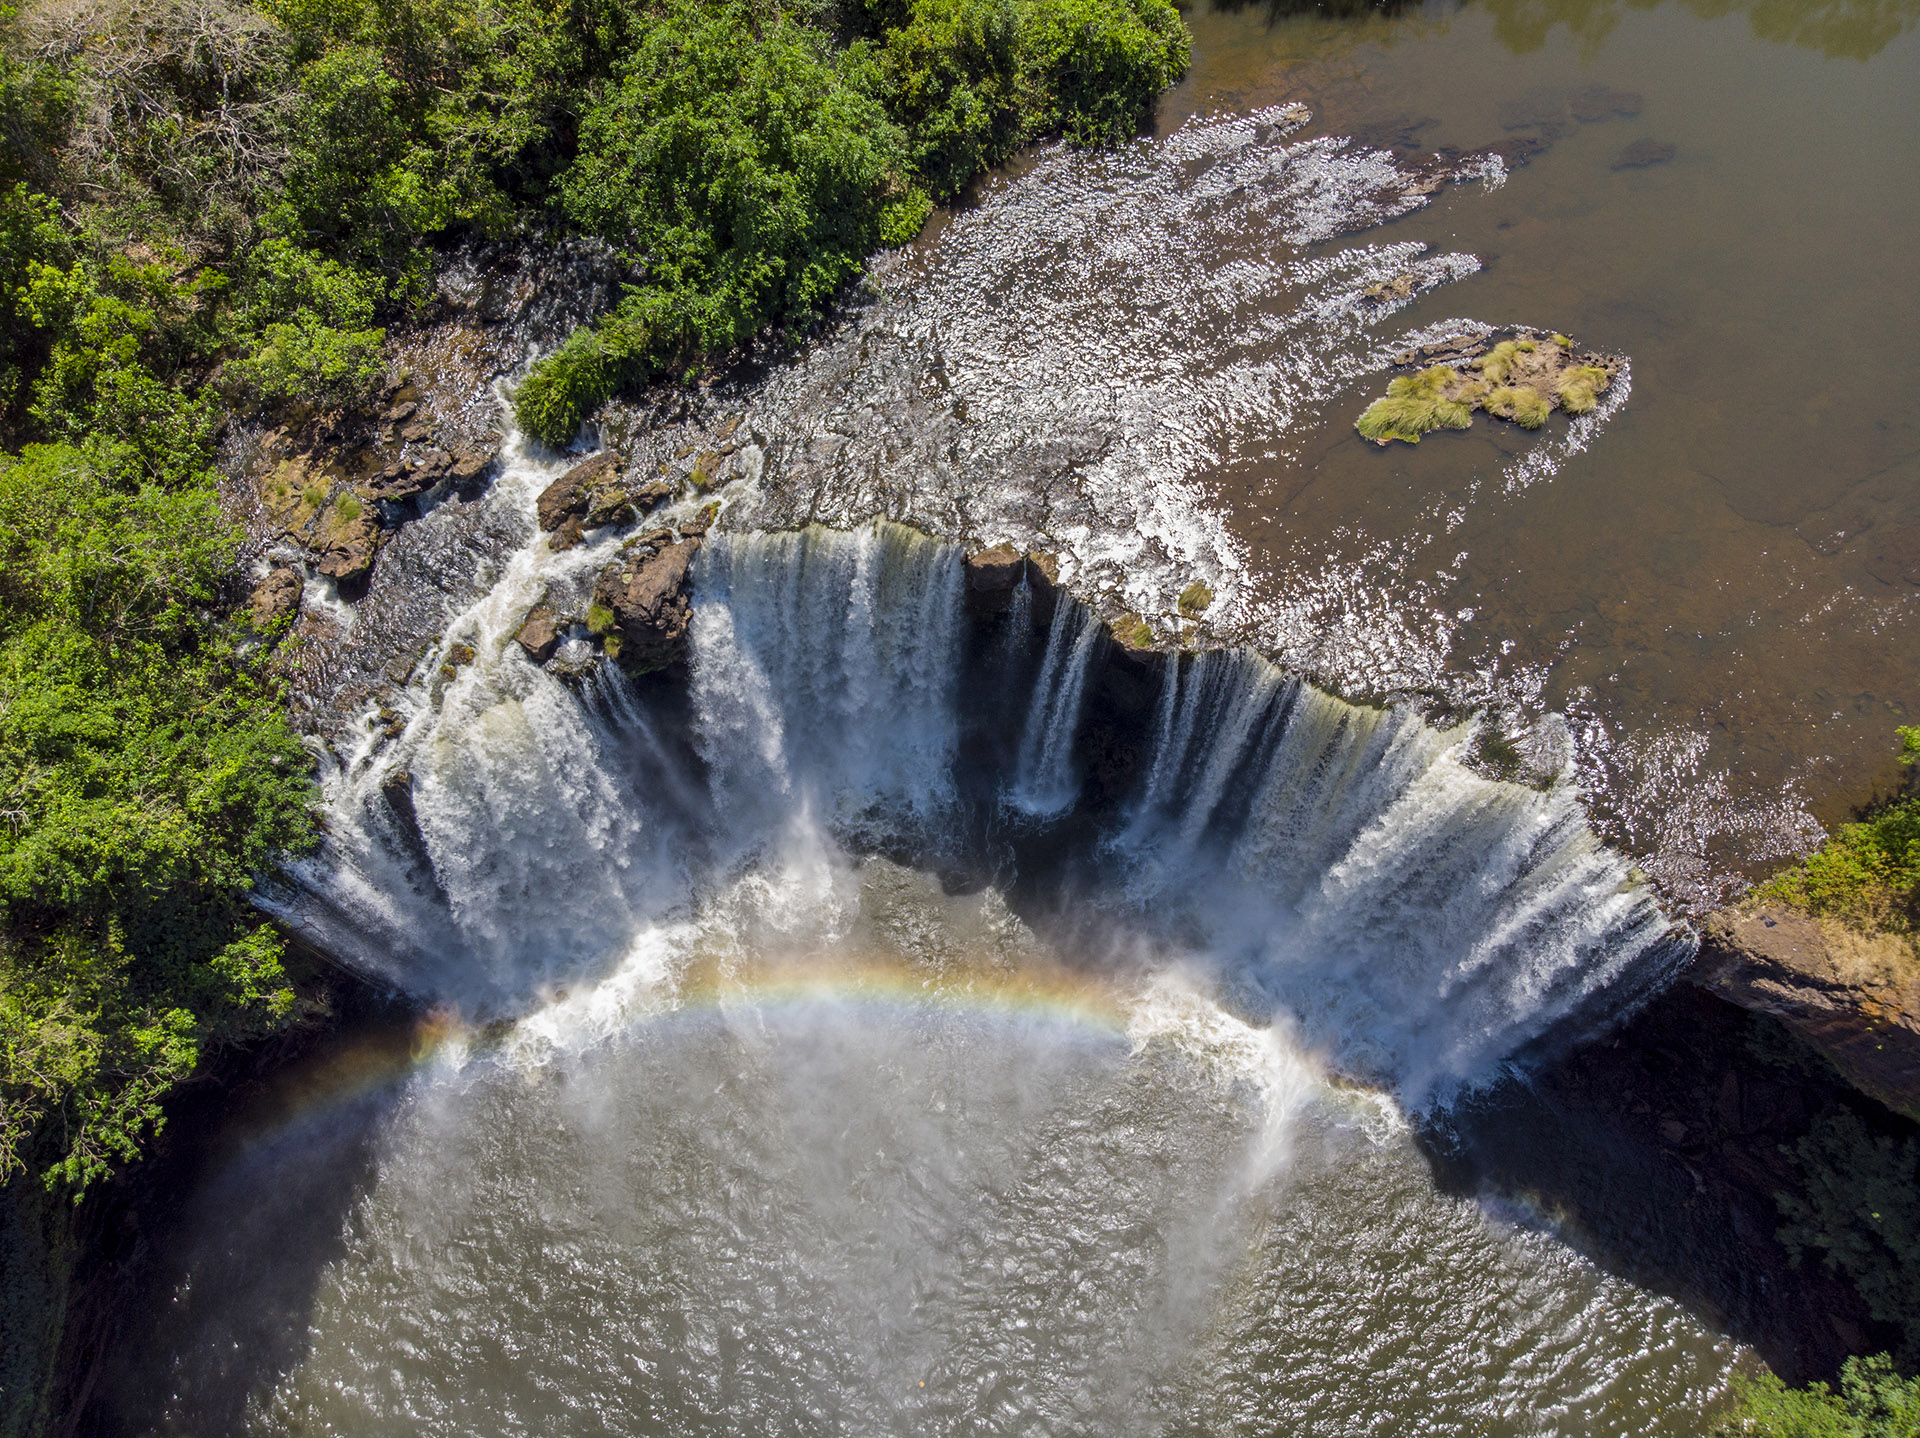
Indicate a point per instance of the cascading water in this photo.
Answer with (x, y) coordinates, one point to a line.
(921, 1014)
(1043, 780)
(778, 1136)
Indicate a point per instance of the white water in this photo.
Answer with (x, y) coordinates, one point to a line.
(1044, 782)
(1329, 864)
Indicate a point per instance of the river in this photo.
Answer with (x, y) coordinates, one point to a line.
(920, 1017)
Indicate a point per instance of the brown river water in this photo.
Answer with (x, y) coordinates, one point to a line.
(1721, 591)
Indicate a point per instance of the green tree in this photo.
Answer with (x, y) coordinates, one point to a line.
(146, 777)
(1873, 1402)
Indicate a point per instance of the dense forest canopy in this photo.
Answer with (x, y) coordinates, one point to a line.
(214, 210)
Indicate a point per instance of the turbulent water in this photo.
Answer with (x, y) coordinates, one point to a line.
(918, 1019)
(830, 1043)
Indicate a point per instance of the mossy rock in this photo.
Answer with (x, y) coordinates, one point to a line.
(1195, 599)
(1133, 632)
(1522, 380)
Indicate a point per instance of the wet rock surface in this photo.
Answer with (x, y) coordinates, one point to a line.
(276, 597)
(596, 493)
(644, 596)
(541, 633)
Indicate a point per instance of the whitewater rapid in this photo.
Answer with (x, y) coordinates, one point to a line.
(499, 834)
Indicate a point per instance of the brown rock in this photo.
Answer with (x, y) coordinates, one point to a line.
(346, 539)
(569, 494)
(991, 577)
(540, 635)
(567, 535)
(645, 593)
(1853, 996)
(276, 597)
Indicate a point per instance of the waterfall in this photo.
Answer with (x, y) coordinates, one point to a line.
(823, 676)
(1044, 783)
(1422, 922)
(1333, 863)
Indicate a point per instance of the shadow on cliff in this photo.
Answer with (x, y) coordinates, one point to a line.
(214, 1272)
(1659, 1150)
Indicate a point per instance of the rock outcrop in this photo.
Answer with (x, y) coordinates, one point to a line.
(275, 598)
(594, 493)
(1522, 379)
(1855, 997)
(541, 633)
(641, 608)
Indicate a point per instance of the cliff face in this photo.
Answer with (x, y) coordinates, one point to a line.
(1854, 997)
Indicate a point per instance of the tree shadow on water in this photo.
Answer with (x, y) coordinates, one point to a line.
(1660, 1152)
(238, 1232)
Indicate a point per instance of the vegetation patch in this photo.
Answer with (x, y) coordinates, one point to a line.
(1195, 600)
(1435, 398)
(1133, 632)
(1521, 380)
(1874, 1401)
(213, 209)
(1867, 874)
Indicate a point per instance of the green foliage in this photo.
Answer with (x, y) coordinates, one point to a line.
(1860, 1206)
(1579, 388)
(216, 206)
(1498, 362)
(1195, 599)
(745, 163)
(1102, 62)
(961, 82)
(1414, 405)
(1873, 1402)
(145, 778)
(1524, 406)
(750, 166)
(1867, 873)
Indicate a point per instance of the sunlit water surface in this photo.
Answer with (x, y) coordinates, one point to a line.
(847, 1155)
(1721, 591)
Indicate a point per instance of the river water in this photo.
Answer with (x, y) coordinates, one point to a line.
(1723, 591)
(818, 1048)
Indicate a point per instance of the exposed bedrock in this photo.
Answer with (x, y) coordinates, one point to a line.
(1854, 997)
(641, 605)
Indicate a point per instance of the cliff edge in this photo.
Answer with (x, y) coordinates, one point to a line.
(1854, 996)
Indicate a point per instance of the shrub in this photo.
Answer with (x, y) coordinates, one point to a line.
(1873, 1402)
(1860, 1205)
(148, 777)
(1866, 873)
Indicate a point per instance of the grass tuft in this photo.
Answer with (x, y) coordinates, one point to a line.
(1579, 388)
(1414, 405)
(1195, 599)
(1527, 408)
